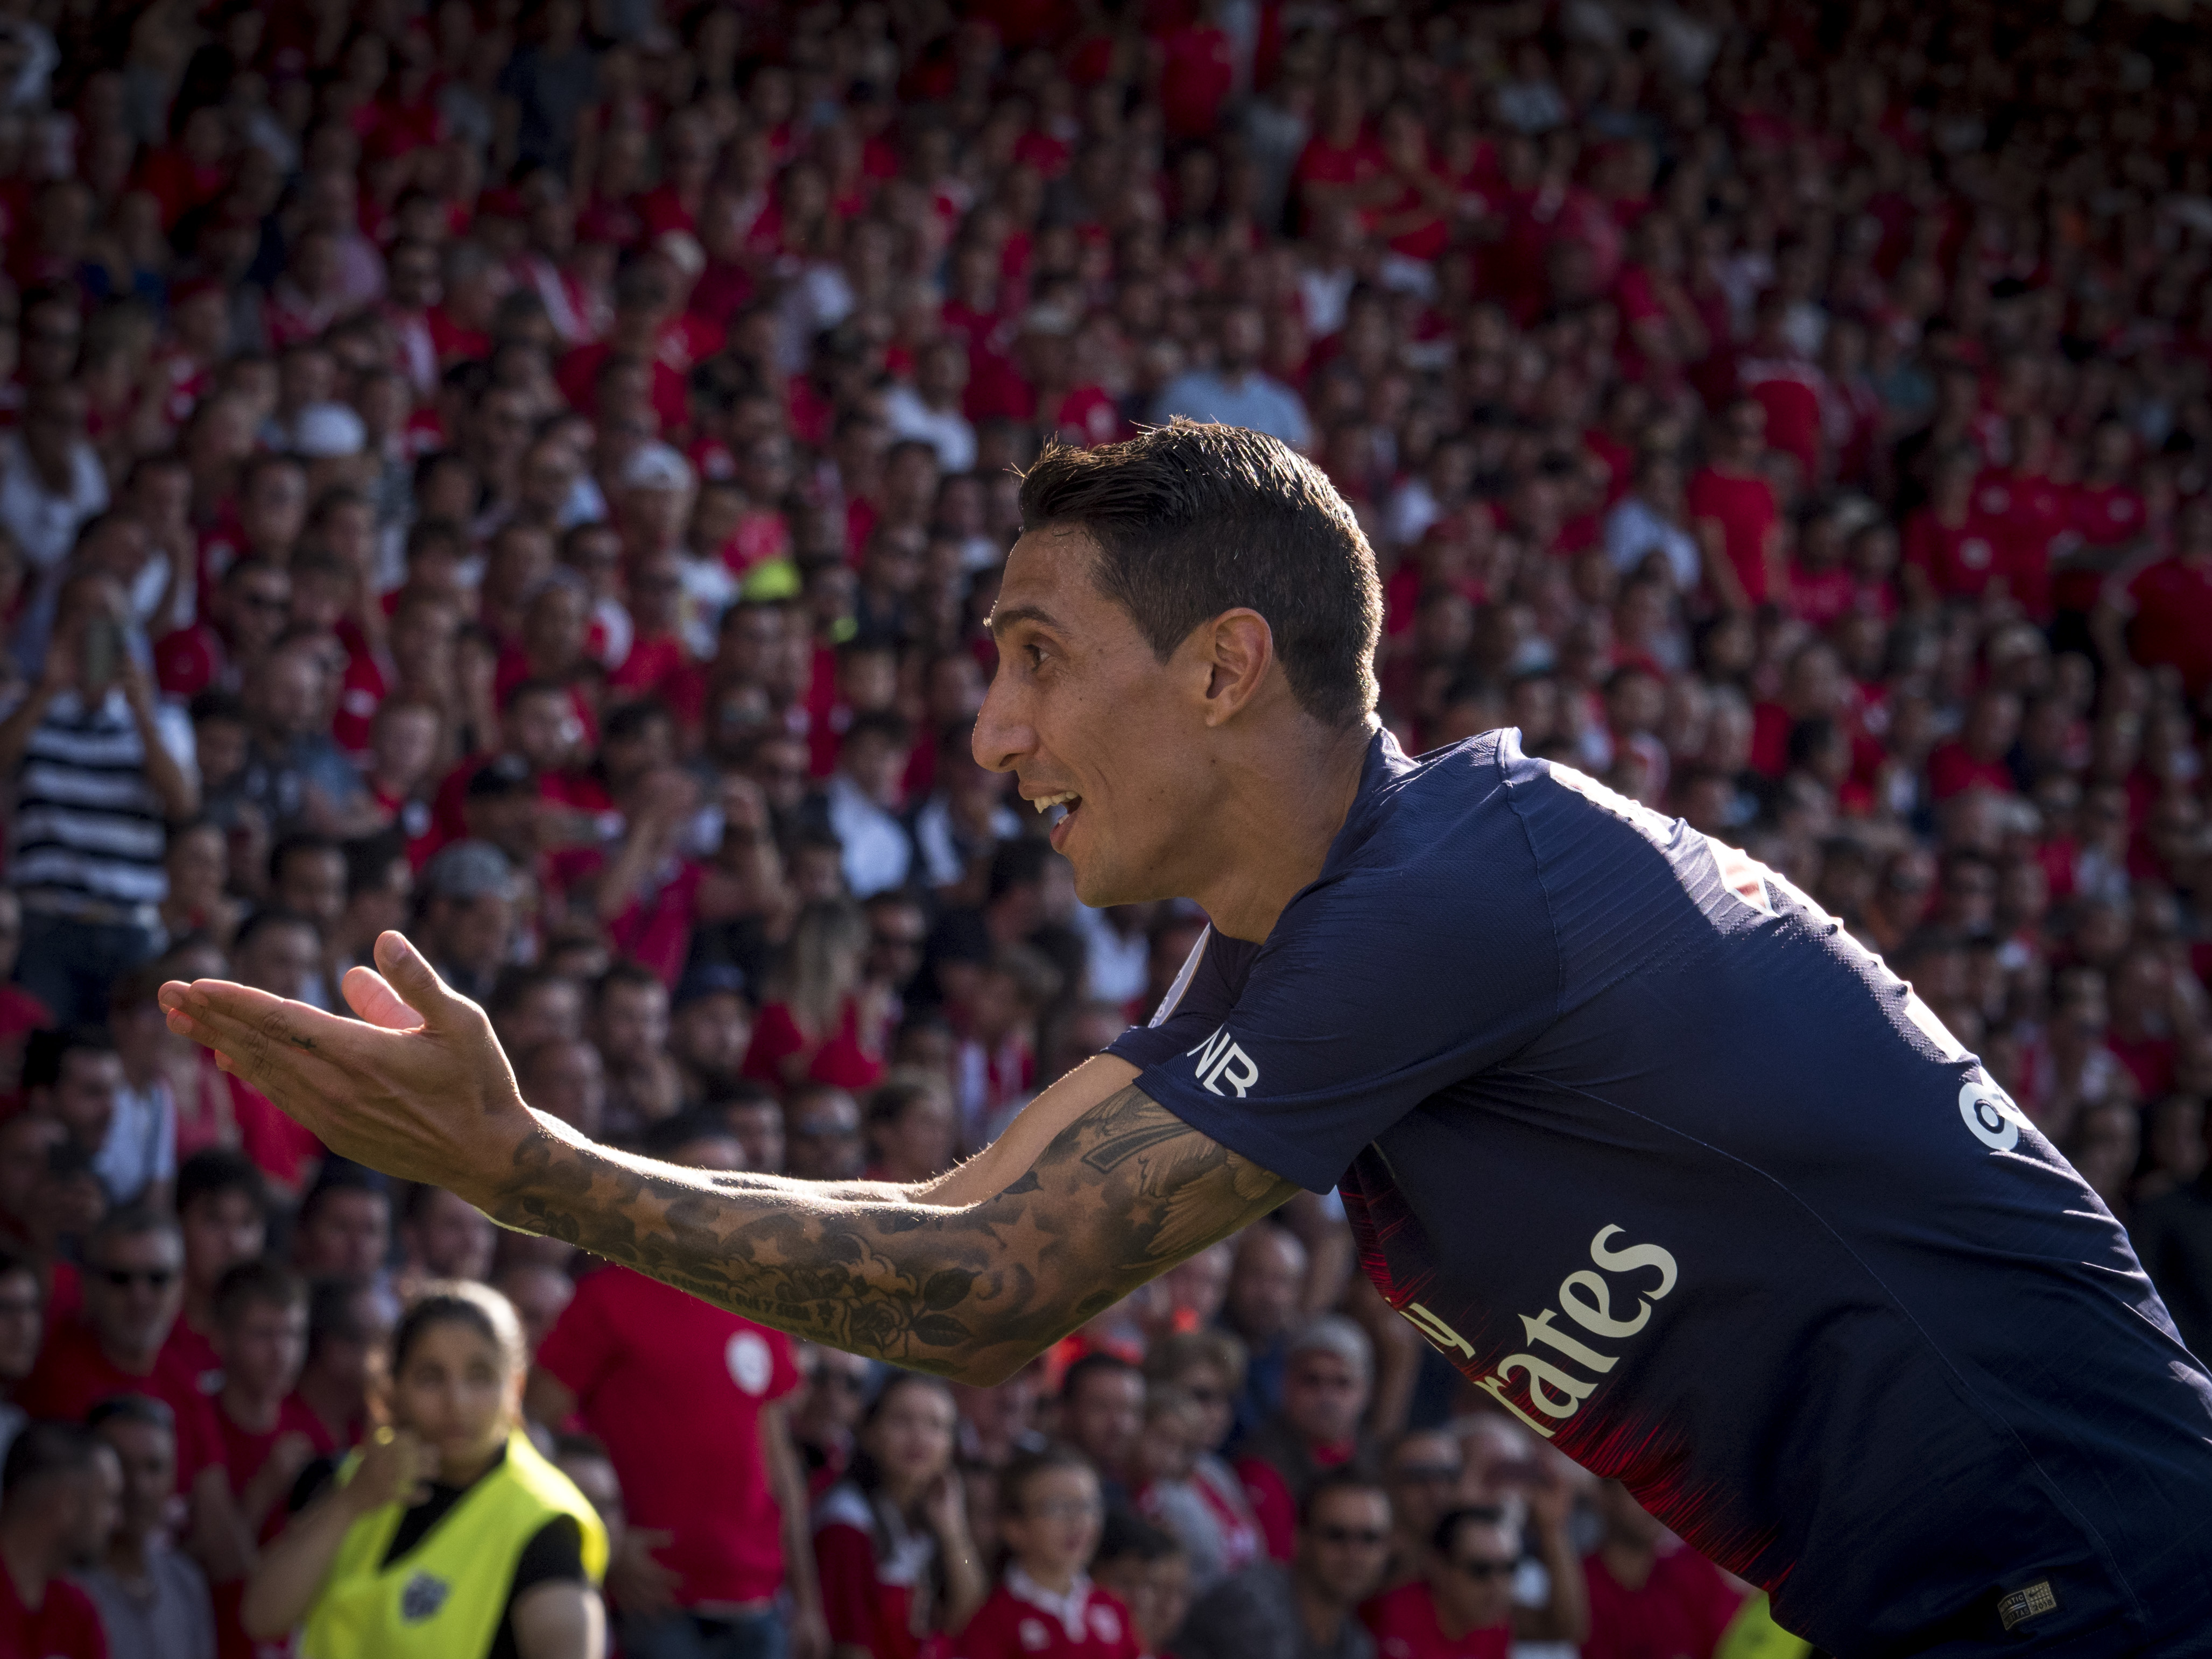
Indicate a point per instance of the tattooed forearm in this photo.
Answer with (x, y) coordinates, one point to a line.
(1124, 1192)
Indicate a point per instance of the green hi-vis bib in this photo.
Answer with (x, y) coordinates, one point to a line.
(444, 1597)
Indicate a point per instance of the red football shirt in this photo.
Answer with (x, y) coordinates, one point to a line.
(1953, 771)
(868, 1601)
(1680, 1614)
(245, 1451)
(1405, 1625)
(73, 1375)
(674, 1389)
(1961, 560)
(1273, 1503)
(1745, 509)
(189, 1353)
(1089, 1625)
(2174, 620)
(66, 1627)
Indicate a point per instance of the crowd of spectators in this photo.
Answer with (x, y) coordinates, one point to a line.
(534, 474)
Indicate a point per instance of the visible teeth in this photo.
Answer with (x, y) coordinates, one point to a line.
(1045, 801)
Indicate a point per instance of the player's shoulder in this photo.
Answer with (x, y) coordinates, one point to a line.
(1414, 807)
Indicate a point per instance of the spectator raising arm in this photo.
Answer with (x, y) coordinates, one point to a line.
(1095, 1190)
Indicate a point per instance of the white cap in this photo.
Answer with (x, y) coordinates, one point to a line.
(656, 466)
(324, 431)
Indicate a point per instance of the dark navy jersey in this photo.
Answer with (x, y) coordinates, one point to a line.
(1687, 1180)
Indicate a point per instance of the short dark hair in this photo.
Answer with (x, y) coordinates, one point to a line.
(213, 1170)
(336, 1177)
(132, 1408)
(1095, 1364)
(1475, 1515)
(1193, 519)
(268, 916)
(332, 1310)
(44, 1450)
(266, 1281)
(47, 1049)
(1355, 1477)
(1129, 1537)
(299, 841)
(671, 1135)
(1024, 1468)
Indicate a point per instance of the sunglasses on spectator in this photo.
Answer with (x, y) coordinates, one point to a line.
(1482, 1571)
(843, 1380)
(122, 1279)
(1206, 1396)
(1371, 1537)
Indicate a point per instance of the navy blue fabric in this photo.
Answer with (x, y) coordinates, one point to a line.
(1686, 1179)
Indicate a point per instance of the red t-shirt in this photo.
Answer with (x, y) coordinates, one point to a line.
(674, 1389)
(868, 1601)
(1197, 70)
(1273, 1503)
(245, 1451)
(1680, 1614)
(2174, 620)
(1959, 561)
(1405, 1625)
(843, 1059)
(656, 929)
(66, 1627)
(1789, 393)
(188, 1353)
(73, 1375)
(1011, 1626)
(1953, 771)
(1746, 512)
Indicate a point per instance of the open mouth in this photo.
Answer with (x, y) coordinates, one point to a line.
(1069, 803)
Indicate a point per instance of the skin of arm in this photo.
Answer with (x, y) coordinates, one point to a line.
(560, 1621)
(1720, 574)
(180, 795)
(1565, 1616)
(969, 1277)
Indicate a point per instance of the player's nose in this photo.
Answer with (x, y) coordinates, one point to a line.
(1002, 734)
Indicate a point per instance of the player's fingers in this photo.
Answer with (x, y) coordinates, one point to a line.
(416, 982)
(267, 1040)
(369, 995)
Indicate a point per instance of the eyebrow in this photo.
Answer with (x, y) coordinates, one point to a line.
(1005, 616)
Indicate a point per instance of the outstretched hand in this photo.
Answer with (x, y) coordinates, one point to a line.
(417, 1087)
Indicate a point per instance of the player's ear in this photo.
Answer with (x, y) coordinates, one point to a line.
(1240, 648)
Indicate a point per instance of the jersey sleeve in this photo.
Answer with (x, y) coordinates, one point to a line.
(1373, 992)
(581, 1348)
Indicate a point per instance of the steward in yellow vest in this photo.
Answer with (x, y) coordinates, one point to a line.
(449, 1536)
(446, 1594)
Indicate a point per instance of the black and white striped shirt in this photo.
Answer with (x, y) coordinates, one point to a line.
(88, 828)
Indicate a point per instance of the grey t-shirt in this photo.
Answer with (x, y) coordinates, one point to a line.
(167, 1617)
(1254, 1615)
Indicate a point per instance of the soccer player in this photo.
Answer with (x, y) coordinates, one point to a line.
(1670, 1167)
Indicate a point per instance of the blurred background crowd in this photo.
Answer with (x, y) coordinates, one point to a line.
(533, 474)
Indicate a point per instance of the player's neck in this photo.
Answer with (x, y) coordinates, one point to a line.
(1283, 816)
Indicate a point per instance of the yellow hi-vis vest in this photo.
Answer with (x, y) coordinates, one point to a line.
(444, 1597)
